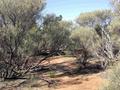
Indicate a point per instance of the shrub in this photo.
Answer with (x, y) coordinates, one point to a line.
(18, 17)
(83, 36)
(84, 41)
(113, 79)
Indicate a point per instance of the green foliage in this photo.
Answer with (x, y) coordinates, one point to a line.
(102, 17)
(53, 35)
(114, 29)
(86, 19)
(83, 36)
(115, 25)
(116, 6)
(113, 79)
(20, 12)
(18, 17)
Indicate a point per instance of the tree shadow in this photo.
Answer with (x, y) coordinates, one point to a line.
(65, 70)
(89, 69)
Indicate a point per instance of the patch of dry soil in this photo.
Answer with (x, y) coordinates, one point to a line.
(72, 82)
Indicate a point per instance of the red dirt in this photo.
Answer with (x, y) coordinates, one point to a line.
(91, 82)
(77, 82)
(73, 82)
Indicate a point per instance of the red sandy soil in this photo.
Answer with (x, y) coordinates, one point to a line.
(73, 82)
(91, 82)
(77, 82)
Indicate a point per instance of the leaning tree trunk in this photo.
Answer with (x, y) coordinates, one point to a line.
(106, 46)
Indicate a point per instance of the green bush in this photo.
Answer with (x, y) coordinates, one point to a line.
(113, 79)
(84, 36)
